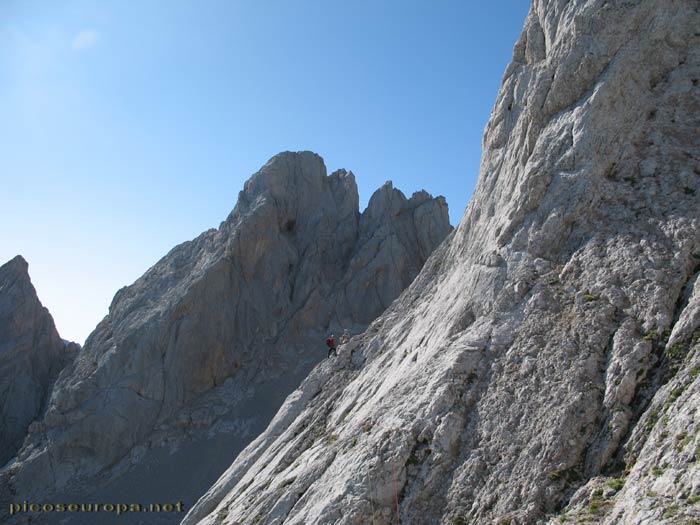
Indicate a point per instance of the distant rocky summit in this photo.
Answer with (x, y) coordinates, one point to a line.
(198, 354)
(31, 355)
(544, 367)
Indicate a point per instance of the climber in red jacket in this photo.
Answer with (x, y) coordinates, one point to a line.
(330, 342)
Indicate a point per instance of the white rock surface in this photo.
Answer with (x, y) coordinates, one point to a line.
(523, 365)
(198, 354)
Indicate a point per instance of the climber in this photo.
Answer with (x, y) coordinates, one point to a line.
(345, 337)
(331, 346)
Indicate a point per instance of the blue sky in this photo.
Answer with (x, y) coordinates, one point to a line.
(129, 127)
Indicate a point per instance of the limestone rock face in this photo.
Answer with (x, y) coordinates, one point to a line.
(545, 360)
(31, 355)
(392, 228)
(196, 356)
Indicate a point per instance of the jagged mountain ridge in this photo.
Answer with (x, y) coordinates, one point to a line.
(31, 355)
(196, 356)
(535, 356)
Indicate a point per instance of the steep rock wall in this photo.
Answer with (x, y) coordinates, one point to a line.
(196, 356)
(522, 361)
(31, 355)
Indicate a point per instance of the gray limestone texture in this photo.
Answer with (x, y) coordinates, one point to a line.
(197, 355)
(31, 356)
(544, 365)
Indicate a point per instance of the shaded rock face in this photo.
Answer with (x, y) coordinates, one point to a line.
(31, 355)
(196, 356)
(550, 348)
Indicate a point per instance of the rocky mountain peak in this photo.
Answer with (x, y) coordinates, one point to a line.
(15, 266)
(287, 170)
(31, 355)
(199, 352)
(543, 366)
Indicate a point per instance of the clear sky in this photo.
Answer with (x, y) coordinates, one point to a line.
(128, 127)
